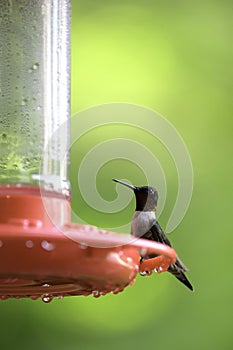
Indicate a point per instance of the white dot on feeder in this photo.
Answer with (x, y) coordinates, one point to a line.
(47, 246)
(29, 244)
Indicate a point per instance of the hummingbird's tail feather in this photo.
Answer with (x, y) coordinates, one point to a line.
(180, 265)
(179, 274)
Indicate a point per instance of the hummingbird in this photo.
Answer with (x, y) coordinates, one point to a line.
(145, 225)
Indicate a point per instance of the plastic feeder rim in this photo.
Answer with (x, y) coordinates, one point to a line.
(41, 260)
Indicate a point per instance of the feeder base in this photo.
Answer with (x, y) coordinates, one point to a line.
(41, 256)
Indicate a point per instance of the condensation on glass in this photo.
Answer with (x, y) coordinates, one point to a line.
(35, 93)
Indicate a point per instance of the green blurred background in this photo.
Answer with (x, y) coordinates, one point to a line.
(176, 58)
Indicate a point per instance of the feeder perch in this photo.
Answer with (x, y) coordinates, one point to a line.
(43, 255)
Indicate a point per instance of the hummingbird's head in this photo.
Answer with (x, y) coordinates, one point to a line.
(146, 196)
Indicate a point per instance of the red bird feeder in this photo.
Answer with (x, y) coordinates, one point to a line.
(43, 255)
(38, 259)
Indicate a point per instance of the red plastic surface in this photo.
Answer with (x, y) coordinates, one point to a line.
(41, 256)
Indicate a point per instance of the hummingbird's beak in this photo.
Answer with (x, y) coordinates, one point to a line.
(125, 184)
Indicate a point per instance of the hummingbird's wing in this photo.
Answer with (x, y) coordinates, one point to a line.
(178, 269)
(159, 236)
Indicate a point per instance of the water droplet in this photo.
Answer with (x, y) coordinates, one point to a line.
(47, 246)
(24, 102)
(144, 273)
(118, 290)
(47, 298)
(46, 285)
(4, 137)
(3, 166)
(35, 66)
(96, 293)
(29, 244)
(83, 245)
